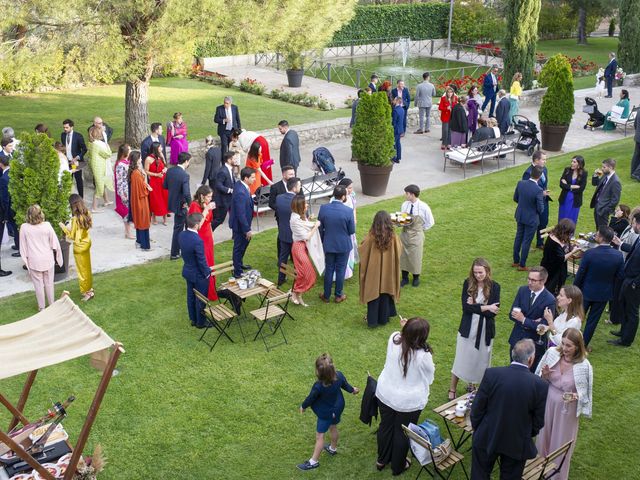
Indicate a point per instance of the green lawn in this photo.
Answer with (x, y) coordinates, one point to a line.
(196, 100)
(178, 411)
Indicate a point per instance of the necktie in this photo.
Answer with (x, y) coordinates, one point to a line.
(411, 210)
(601, 186)
(532, 298)
(68, 139)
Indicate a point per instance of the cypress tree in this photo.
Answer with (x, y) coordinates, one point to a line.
(629, 47)
(520, 40)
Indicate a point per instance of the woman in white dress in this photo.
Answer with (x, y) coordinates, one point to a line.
(351, 203)
(480, 305)
(569, 302)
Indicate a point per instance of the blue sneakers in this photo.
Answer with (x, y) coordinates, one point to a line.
(308, 466)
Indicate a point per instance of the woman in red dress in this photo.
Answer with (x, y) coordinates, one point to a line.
(202, 204)
(156, 169)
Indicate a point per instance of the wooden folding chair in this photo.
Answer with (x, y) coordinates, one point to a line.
(443, 464)
(272, 314)
(543, 468)
(219, 317)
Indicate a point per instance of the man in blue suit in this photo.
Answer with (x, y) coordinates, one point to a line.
(527, 311)
(539, 159)
(507, 412)
(529, 197)
(155, 136)
(75, 149)
(599, 269)
(373, 84)
(195, 269)
(283, 216)
(223, 189)
(402, 92)
(240, 219)
(336, 227)
(177, 182)
(8, 215)
(490, 88)
(610, 74)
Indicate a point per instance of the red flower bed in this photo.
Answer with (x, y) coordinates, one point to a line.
(462, 84)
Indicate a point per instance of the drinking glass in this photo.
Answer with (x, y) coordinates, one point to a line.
(540, 330)
(566, 398)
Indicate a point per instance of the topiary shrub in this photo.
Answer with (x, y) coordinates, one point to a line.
(34, 179)
(557, 103)
(372, 140)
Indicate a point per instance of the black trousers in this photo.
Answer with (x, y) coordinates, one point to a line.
(635, 161)
(393, 444)
(630, 303)
(79, 183)
(284, 253)
(219, 216)
(225, 140)
(179, 220)
(482, 465)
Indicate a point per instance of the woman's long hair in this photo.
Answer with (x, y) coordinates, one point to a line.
(254, 151)
(203, 191)
(564, 230)
(413, 337)
(472, 283)
(580, 170)
(575, 336)
(134, 156)
(79, 210)
(575, 308)
(382, 230)
(123, 151)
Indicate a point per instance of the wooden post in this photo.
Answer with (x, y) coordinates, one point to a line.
(23, 399)
(23, 454)
(14, 411)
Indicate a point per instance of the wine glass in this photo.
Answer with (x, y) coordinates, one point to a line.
(540, 330)
(566, 398)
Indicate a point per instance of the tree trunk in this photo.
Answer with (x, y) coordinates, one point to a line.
(136, 115)
(582, 26)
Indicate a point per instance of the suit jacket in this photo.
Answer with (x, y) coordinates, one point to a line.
(223, 188)
(482, 133)
(283, 216)
(373, 87)
(5, 199)
(108, 130)
(277, 189)
(611, 68)
(145, 147)
(533, 314)
(354, 108)
(543, 181)
(177, 182)
(599, 269)
(502, 114)
(605, 203)
(213, 163)
(425, 91)
(78, 147)
(406, 98)
(636, 125)
(566, 187)
(488, 90)
(508, 411)
(336, 227)
(221, 114)
(631, 264)
(528, 196)
(397, 120)
(241, 209)
(290, 150)
(192, 250)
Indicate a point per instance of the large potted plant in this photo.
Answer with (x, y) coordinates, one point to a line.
(34, 179)
(372, 143)
(294, 61)
(557, 107)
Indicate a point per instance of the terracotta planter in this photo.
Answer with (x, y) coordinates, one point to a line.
(294, 77)
(374, 180)
(62, 272)
(553, 136)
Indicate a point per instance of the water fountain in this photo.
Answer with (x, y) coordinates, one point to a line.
(404, 43)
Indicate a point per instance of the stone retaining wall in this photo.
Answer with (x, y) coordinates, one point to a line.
(631, 80)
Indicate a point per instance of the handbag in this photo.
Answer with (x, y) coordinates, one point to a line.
(431, 433)
(617, 111)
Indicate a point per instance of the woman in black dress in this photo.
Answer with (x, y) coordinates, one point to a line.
(556, 252)
(620, 219)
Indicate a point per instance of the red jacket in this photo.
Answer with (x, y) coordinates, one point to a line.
(445, 112)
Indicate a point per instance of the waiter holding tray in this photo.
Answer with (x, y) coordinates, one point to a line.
(412, 236)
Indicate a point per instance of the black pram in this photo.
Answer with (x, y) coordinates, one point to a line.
(596, 117)
(528, 140)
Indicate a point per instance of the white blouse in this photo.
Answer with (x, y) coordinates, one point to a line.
(300, 228)
(420, 209)
(561, 324)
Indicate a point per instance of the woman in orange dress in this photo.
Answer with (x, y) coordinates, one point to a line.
(156, 169)
(202, 204)
(139, 200)
(245, 139)
(255, 161)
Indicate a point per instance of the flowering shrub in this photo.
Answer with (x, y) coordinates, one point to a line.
(215, 78)
(620, 74)
(462, 84)
(303, 99)
(581, 67)
(489, 48)
(252, 86)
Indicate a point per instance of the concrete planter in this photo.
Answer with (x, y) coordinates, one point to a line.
(60, 273)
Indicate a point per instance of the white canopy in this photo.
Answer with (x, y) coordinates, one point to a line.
(59, 333)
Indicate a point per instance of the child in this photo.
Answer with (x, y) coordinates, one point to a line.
(327, 402)
(79, 235)
(600, 83)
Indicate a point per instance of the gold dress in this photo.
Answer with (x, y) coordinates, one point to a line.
(81, 253)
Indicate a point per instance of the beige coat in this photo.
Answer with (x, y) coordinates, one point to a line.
(379, 271)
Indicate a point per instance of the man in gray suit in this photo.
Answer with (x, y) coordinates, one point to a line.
(607, 194)
(635, 160)
(290, 147)
(425, 91)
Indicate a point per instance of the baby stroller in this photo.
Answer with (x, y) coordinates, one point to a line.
(324, 162)
(528, 140)
(596, 117)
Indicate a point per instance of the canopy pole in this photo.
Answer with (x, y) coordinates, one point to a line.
(14, 411)
(23, 399)
(26, 456)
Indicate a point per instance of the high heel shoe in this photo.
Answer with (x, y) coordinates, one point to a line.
(380, 466)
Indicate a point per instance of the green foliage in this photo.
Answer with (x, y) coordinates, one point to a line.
(520, 39)
(303, 99)
(474, 22)
(372, 140)
(252, 86)
(559, 19)
(557, 103)
(612, 26)
(34, 179)
(416, 20)
(629, 49)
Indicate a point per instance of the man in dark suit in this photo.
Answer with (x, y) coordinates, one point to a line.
(490, 88)
(373, 84)
(635, 160)
(240, 219)
(539, 159)
(227, 117)
(600, 267)
(630, 290)
(213, 162)
(75, 149)
(279, 188)
(223, 190)
(8, 215)
(527, 311)
(290, 147)
(195, 269)
(283, 217)
(529, 197)
(3, 273)
(402, 92)
(502, 112)
(177, 182)
(610, 74)
(107, 131)
(507, 412)
(607, 194)
(336, 227)
(155, 136)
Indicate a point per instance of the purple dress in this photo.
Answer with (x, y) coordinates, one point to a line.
(566, 208)
(472, 118)
(177, 145)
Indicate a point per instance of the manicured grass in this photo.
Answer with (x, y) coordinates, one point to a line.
(178, 411)
(196, 100)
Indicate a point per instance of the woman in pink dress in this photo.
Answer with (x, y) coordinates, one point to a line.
(302, 230)
(202, 204)
(156, 169)
(570, 378)
(177, 137)
(122, 187)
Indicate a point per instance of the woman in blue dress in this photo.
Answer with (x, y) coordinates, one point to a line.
(572, 183)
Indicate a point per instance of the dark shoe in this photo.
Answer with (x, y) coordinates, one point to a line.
(323, 298)
(380, 466)
(174, 257)
(5, 273)
(539, 247)
(329, 451)
(17, 254)
(427, 131)
(246, 267)
(404, 281)
(617, 343)
(24, 267)
(515, 264)
(340, 298)
(608, 96)
(636, 178)
(13, 247)
(281, 282)
(416, 281)
(617, 333)
(418, 132)
(307, 466)
(523, 269)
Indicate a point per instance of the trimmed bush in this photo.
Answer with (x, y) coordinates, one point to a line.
(372, 140)
(557, 103)
(629, 48)
(474, 22)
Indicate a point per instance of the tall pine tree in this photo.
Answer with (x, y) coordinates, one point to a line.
(520, 40)
(629, 48)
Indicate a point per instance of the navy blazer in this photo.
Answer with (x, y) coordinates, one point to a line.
(192, 250)
(336, 227)
(78, 147)
(224, 183)
(373, 87)
(145, 147)
(213, 163)
(5, 198)
(508, 411)
(605, 202)
(543, 181)
(528, 196)
(221, 114)
(502, 114)
(277, 189)
(488, 89)
(631, 264)
(599, 268)
(283, 216)
(177, 182)
(290, 150)
(611, 68)
(533, 315)
(241, 214)
(406, 98)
